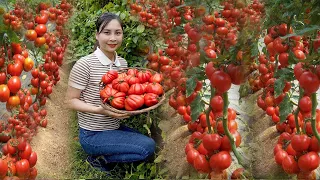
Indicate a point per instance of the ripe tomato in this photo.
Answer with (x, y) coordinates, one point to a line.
(157, 77)
(209, 69)
(28, 64)
(221, 81)
(42, 19)
(3, 168)
(23, 167)
(281, 154)
(33, 159)
(216, 103)
(201, 164)
(132, 79)
(14, 84)
(117, 100)
(133, 102)
(308, 162)
(309, 82)
(4, 93)
(40, 41)
(290, 165)
(144, 76)
(15, 69)
(40, 29)
(109, 76)
(220, 161)
(305, 104)
(31, 35)
(192, 155)
(151, 99)
(136, 89)
(120, 85)
(155, 88)
(211, 141)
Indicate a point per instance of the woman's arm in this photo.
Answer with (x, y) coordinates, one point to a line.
(73, 101)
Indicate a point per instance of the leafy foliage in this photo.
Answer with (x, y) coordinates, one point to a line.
(136, 40)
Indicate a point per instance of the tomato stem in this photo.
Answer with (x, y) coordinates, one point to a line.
(297, 112)
(226, 130)
(313, 118)
(209, 110)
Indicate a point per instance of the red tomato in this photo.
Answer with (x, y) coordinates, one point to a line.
(15, 69)
(290, 165)
(192, 155)
(220, 161)
(221, 81)
(144, 76)
(157, 78)
(117, 100)
(4, 93)
(134, 102)
(201, 164)
(40, 29)
(120, 85)
(109, 76)
(216, 103)
(14, 84)
(23, 168)
(136, 89)
(308, 162)
(155, 88)
(211, 141)
(3, 168)
(151, 99)
(33, 159)
(31, 35)
(309, 82)
(281, 154)
(26, 153)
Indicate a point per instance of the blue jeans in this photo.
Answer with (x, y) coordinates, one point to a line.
(120, 145)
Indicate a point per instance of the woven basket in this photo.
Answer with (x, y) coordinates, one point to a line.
(144, 108)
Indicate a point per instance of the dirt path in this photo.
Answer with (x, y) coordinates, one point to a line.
(52, 143)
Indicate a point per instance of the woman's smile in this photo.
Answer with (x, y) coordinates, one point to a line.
(112, 45)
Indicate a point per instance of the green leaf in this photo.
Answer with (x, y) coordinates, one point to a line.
(159, 159)
(140, 28)
(122, 15)
(191, 85)
(286, 73)
(278, 86)
(291, 58)
(197, 107)
(285, 108)
(254, 50)
(13, 36)
(135, 39)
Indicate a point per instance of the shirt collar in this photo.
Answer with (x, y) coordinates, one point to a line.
(105, 60)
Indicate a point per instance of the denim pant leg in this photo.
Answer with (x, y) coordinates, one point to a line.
(121, 145)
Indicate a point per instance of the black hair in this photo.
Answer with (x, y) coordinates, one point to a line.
(104, 20)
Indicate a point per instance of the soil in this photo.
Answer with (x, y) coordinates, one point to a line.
(52, 143)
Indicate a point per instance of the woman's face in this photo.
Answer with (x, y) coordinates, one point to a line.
(110, 38)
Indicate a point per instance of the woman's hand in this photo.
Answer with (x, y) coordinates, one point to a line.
(110, 113)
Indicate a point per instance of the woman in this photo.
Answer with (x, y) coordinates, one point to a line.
(101, 135)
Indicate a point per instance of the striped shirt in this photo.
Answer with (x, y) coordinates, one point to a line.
(86, 75)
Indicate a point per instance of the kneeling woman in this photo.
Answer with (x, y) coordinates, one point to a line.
(101, 135)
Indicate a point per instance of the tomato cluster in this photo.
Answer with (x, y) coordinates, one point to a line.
(131, 90)
(26, 104)
(218, 33)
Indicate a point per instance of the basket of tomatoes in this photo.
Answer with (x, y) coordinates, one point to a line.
(131, 90)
